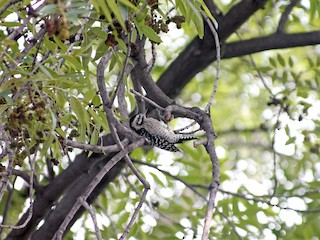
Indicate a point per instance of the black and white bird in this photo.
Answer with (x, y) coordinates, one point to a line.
(159, 134)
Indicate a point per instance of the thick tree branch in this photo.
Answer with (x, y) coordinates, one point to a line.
(55, 218)
(140, 73)
(93, 184)
(274, 41)
(95, 148)
(47, 195)
(200, 53)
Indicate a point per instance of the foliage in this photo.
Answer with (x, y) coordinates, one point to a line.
(265, 113)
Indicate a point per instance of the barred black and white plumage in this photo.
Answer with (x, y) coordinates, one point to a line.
(157, 133)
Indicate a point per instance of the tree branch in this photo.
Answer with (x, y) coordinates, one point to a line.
(274, 41)
(285, 15)
(47, 195)
(92, 186)
(200, 53)
(92, 213)
(94, 148)
(140, 73)
(72, 192)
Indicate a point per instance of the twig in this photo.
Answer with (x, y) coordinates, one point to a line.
(186, 127)
(188, 185)
(150, 205)
(94, 148)
(25, 51)
(106, 168)
(147, 99)
(145, 184)
(139, 73)
(230, 223)
(274, 153)
(8, 4)
(135, 214)
(115, 125)
(44, 57)
(284, 17)
(5, 179)
(104, 211)
(218, 59)
(26, 177)
(8, 204)
(94, 219)
(259, 73)
(141, 106)
(210, 147)
(36, 53)
(205, 123)
(192, 187)
(32, 162)
(153, 59)
(120, 89)
(105, 97)
(257, 199)
(136, 13)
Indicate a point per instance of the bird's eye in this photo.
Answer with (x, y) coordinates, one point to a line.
(140, 120)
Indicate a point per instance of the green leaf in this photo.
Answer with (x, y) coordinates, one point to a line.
(89, 95)
(121, 45)
(82, 116)
(7, 95)
(273, 62)
(98, 32)
(129, 4)
(101, 50)
(105, 10)
(291, 62)
(61, 45)
(10, 24)
(284, 76)
(3, 108)
(281, 60)
(61, 132)
(116, 11)
(72, 60)
(47, 143)
(10, 83)
(45, 70)
(198, 22)
(3, 2)
(99, 120)
(290, 140)
(157, 179)
(49, 44)
(150, 33)
(48, 9)
(206, 10)
(196, 18)
(95, 135)
(96, 101)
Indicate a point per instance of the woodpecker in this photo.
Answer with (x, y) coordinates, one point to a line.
(159, 134)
